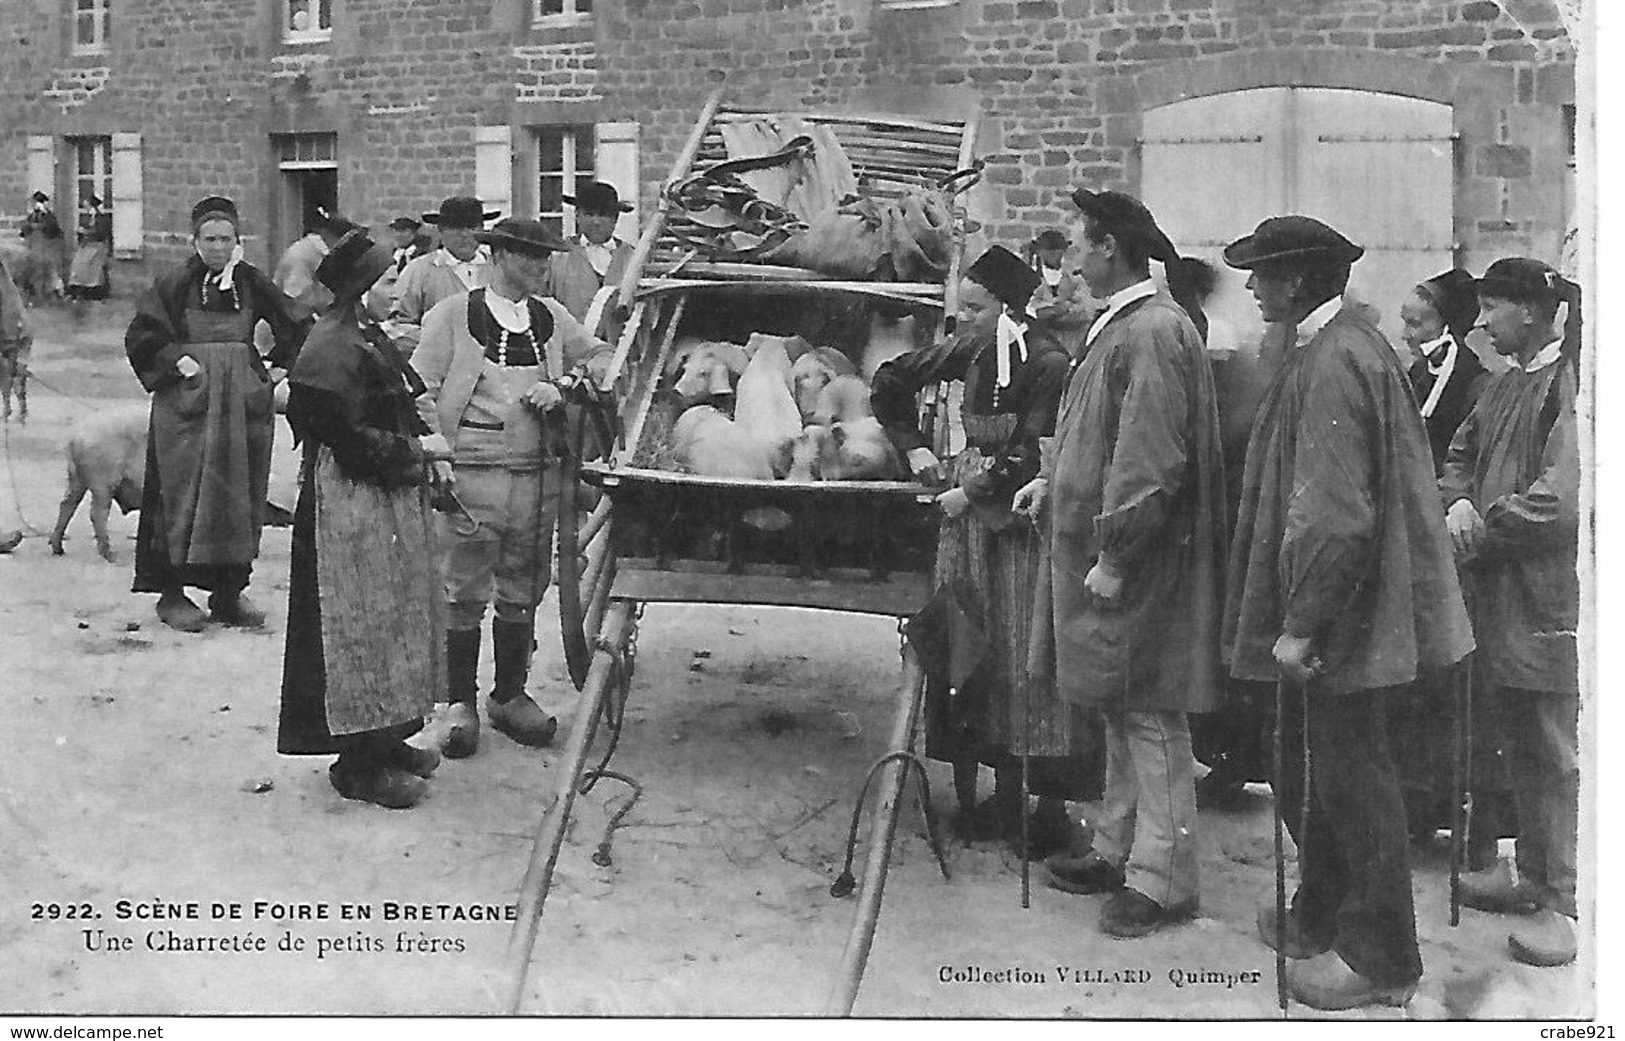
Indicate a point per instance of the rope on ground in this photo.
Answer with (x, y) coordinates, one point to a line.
(28, 529)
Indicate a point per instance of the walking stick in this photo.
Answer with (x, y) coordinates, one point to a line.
(1280, 848)
(1026, 765)
(1461, 832)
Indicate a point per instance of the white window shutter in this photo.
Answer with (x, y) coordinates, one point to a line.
(129, 228)
(616, 163)
(41, 164)
(493, 168)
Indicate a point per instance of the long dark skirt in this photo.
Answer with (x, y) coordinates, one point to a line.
(998, 712)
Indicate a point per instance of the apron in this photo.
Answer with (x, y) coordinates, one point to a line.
(374, 546)
(89, 268)
(212, 438)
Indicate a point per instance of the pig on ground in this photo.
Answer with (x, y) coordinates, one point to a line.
(764, 405)
(811, 373)
(707, 369)
(844, 400)
(107, 457)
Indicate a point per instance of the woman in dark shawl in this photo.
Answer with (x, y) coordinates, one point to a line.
(191, 344)
(987, 557)
(363, 656)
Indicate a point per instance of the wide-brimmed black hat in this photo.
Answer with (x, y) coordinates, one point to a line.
(41, 197)
(404, 223)
(353, 264)
(215, 207)
(1291, 238)
(1005, 275)
(462, 211)
(1454, 295)
(1126, 219)
(1523, 280)
(598, 197)
(530, 237)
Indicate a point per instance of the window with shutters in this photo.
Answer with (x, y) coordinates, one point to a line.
(92, 171)
(1378, 167)
(307, 21)
(546, 13)
(91, 21)
(565, 160)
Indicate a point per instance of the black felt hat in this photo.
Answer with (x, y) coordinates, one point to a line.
(1291, 238)
(1005, 275)
(405, 223)
(461, 211)
(530, 237)
(598, 197)
(41, 197)
(353, 264)
(215, 207)
(1126, 219)
(1454, 295)
(1523, 280)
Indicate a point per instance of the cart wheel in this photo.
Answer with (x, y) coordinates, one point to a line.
(573, 568)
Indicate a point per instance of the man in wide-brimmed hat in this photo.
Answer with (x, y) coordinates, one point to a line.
(493, 360)
(1341, 587)
(1132, 499)
(1511, 485)
(1061, 304)
(583, 277)
(460, 264)
(362, 664)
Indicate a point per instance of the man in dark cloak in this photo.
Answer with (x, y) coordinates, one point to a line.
(364, 658)
(1341, 586)
(191, 344)
(1511, 485)
(1128, 595)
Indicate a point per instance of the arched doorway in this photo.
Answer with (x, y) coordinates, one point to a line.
(1378, 167)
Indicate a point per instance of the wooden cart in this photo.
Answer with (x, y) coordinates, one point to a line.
(654, 535)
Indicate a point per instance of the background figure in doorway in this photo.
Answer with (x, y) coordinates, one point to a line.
(87, 275)
(42, 235)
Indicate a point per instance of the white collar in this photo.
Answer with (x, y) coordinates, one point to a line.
(1117, 302)
(1317, 319)
(512, 315)
(1440, 348)
(1441, 373)
(443, 257)
(1548, 355)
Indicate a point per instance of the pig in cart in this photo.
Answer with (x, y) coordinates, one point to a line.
(742, 465)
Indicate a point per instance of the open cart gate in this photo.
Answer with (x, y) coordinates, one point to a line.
(629, 534)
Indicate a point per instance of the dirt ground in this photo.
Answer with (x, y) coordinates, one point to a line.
(141, 767)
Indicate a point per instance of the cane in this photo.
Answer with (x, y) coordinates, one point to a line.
(1026, 765)
(1280, 848)
(1461, 833)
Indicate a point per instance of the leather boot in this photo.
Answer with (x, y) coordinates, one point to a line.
(462, 718)
(510, 708)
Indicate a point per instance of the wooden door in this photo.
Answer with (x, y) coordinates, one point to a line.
(1378, 167)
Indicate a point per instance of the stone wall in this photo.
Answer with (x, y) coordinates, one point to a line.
(1060, 85)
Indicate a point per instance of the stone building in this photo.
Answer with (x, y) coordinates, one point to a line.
(1434, 130)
